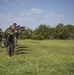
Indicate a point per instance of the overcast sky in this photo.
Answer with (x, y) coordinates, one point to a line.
(32, 13)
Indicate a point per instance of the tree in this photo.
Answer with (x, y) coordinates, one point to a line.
(42, 32)
(68, 31)
(59, 31)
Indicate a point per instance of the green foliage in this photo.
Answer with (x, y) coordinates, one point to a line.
(34, 57)
(26, 34)
(61, 31)
(42, 32)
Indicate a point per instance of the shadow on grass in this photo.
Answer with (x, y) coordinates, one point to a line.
(21, 47)
(22, 50)
(2, 47)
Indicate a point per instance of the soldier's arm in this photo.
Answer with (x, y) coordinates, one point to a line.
(10, 32)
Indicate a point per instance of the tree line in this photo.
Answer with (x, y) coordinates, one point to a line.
(61, 31)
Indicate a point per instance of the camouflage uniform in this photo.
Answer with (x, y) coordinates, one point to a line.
(0, 37)
(16, 34)
(10, 40)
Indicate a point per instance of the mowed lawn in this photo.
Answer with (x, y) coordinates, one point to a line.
(34, 57)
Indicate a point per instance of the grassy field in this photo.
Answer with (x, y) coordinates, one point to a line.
(33, 57)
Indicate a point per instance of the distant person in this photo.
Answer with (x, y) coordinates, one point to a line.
(0, 37)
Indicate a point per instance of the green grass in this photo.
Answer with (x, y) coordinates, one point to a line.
(33, 57)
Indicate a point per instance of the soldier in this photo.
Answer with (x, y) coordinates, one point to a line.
(17, 32)
(10, 39)
(0, 37)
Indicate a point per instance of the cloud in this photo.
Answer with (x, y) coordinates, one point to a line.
(6, 1)
(23, 19)
(2, 16)
(31, 12)
(14, 2)
(35, 10)
(21, 2)
(52, 18)
(53, 15)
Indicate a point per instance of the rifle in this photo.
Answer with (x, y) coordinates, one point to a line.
(19, 28)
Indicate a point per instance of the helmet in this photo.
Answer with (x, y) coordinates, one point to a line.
(15, 24)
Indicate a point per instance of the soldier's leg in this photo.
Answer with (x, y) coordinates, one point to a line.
(14, 44)
(9, 49)
(0, 44)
